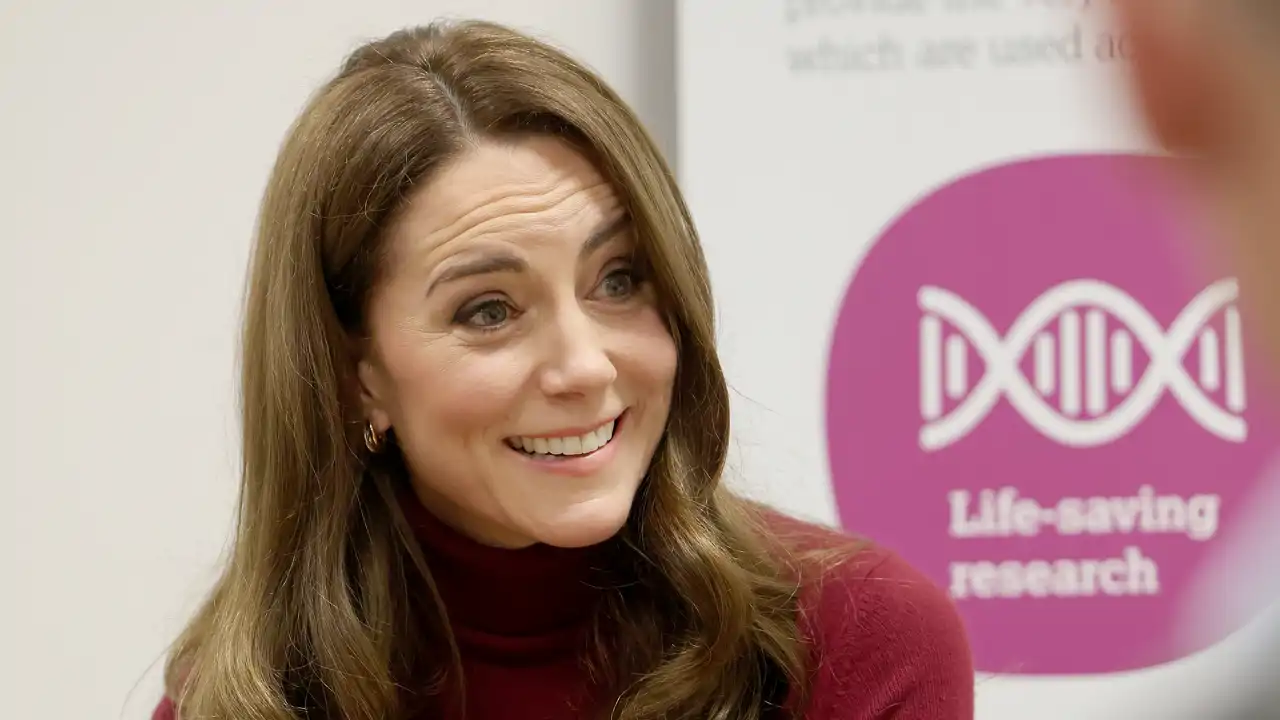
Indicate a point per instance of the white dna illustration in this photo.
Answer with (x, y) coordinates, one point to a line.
(1082, 414)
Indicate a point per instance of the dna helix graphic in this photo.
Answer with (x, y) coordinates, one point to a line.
(1096, 401)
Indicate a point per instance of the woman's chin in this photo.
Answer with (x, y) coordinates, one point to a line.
(584, 524)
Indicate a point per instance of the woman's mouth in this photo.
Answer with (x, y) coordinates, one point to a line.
(569, 446)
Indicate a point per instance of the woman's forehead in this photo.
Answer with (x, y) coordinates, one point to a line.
(528, 188)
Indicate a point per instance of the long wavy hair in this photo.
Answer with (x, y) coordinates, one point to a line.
(326, 609)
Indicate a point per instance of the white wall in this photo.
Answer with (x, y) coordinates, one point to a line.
(135, 137)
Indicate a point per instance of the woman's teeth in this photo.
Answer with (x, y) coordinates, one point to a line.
(579, 445)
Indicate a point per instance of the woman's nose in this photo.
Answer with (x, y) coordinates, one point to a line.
(578, 361)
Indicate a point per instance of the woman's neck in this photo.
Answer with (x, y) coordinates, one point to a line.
(533, 599)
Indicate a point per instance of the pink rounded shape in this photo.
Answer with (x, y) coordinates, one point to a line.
(1040, 326)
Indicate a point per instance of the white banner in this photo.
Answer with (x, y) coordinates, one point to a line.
(963, 313)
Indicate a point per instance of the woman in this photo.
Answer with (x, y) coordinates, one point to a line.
(1206, 76)
(484, 430)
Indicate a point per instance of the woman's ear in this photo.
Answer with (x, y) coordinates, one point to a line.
(373, 390)
(1173, 70)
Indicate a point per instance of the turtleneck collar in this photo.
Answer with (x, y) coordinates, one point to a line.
(511, 603)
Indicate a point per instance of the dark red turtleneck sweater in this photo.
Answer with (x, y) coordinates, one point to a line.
(887, 642)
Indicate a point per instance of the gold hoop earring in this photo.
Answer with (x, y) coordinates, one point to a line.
(372, 440)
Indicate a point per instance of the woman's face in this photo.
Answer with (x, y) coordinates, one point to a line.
(517, 348)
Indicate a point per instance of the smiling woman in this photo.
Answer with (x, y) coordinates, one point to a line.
(538, 327)
(484, 429)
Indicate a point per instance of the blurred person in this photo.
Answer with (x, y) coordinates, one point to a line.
(1206, 78)
(484, 427)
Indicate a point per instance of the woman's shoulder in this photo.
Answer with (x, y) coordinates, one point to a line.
(886, 640)
(164, 711)
(849, 582)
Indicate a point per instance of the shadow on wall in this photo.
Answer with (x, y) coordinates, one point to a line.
(656, 81)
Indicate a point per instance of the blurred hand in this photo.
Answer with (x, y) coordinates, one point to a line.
(1206, 78)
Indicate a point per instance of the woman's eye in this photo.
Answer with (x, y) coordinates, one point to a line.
(619, 284)
(486, 315)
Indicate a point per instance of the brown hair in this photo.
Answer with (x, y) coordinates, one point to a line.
(327, 608)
